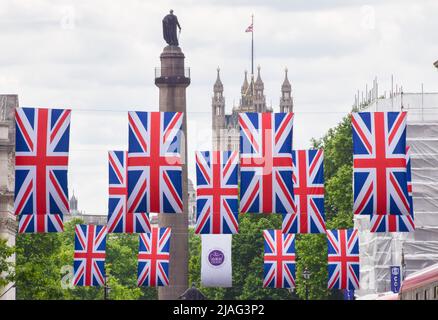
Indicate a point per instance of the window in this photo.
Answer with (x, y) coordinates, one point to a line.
(425, 294)
(417, 296)
(435, 294)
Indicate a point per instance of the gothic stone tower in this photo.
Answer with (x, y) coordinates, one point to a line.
(172, 80)
(218, 112)
(8, 224)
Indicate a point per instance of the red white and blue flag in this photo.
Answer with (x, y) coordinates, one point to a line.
(397, 223)
(154, 162)
(379, 163)
(153, 258)
(41, 161)
(308, 182)
(266, 163)
(279, 259)
(40, 223)
(343, 259)
(120, 220)
(217, 192)
(89, 255)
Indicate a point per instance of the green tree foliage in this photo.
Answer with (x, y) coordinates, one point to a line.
(6, 266)
(44, 267)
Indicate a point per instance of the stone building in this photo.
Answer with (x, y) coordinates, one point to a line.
(192, 203)
(98, 219)
(8, 224)
(226, 126)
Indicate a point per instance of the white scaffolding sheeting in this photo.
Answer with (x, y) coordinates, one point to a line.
(379, 251)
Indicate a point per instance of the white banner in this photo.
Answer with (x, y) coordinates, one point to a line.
(216, 269)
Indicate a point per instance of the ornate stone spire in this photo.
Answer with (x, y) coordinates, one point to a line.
(218, 86)
(259, 85)
(245, 84)
(286, 84)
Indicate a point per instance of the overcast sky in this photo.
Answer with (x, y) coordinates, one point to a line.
(99, 57)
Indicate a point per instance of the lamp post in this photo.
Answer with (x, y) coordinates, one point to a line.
(306, 277)
(106, 289)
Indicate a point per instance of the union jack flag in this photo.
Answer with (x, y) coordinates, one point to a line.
(397, 223)
(343, 259)
(153, 258)
(40, 223)
(216, 203)
(89, 256)
(266, 162)
(279, 259)
(41, 160)
(119, 219)
(154, 163)
(379, 163)
(308, 180)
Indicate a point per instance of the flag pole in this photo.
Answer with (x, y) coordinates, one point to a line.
(252, 46)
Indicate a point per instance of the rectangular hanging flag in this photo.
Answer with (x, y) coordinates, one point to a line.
(397, 223)
(40, 223)
(279, 259)
(379, 163)
(154, 162)
(154, 257)
(89, 255)
(216, 192)
(41, 161)
(308, 181)
(343, 259)
(266, 162)
(216, 262)
(120, 219)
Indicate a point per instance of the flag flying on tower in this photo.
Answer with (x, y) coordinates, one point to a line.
(379, 163)
(216, 192)
(216, 268)
(343, 259)
(266, 162)
(153, 258)
(89, 255)
(154, 162)
(397, 223)
(41, 160)
(120, 220)
(279, 259)
(308, 181)
(40, 223)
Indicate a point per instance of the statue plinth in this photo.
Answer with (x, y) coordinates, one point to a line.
(172, 79)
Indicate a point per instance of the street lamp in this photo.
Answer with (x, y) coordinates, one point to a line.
(106, 289)
(306, 277)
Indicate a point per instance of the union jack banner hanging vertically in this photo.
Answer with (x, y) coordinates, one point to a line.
(379, 164)
(266, 162)
(397, 223)
(40, 223)
(279, 259)
(343, 259)
(120, 220)
(41, 160)
(154, 257)
(89, 256)
(216, 192)
(308, 180)
(154, 162)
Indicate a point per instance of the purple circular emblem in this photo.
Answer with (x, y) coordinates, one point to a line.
(216, 257)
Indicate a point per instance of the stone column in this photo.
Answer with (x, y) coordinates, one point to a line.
(172, 79)
(8, 224)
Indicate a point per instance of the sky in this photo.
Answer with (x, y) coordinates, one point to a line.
(98, 58)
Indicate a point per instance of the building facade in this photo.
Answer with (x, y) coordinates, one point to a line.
(226, 126)
(8, 224)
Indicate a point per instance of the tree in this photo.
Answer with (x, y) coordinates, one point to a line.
(6, 266)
